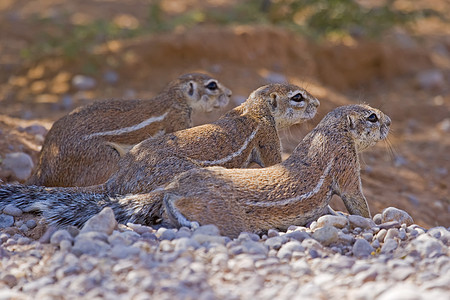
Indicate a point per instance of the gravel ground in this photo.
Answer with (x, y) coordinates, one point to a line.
(336, 257)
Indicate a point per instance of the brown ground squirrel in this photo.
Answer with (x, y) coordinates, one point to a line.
(246, 134)
(83, 148)
(294, 192)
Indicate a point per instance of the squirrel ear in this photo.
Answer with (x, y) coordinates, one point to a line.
(351, 122)
(273, 100)
(191, 88)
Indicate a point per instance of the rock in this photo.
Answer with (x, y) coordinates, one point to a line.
(6, 221)
(394, 214)
(125, 238)
(24, 228)
(184, 243)
(252, 247)
(65, 245)
(248, 236)
(82, 82)
(367, 236)
(19, 164)
(59, 236)
(389, 246)
(23, 241)
(140, 229)
(183, 232)
(328, 220)
(10, 280)
(365, 276)
(376, 244)
(297, 235)
(347, 239)
(388, 225)
(209, 239)
(377, 219)
(312, 244)
(207, 230)
(36, 129)
(272, 233)
(359, 221)
(431, 79)
(66, 102)
(441, 234)
(287, 249)
(110, 77)
(31, 223)
(12, 210)
(166, 234)
(427, 246)
(45, 238)
(123, 251)
(86, 245)
(362, 248)
(102, 222)
(391, 233)
(275, 242)
(326, 235)
(405, 291)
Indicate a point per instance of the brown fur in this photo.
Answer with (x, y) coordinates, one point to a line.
(246, 134)
(84, 147)
(291, 193)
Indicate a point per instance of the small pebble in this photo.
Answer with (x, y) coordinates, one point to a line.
(24, 228)
(389, 246)
(359, 221)
(394, 214)
(287, 249)
(362, 248)
(275, 242)
(82, 82)
(336, 221)
(102, 222)
(31, 224)
(10, 280)
(6, 221)
(20, 164)
(59, 236)
(326, 235)
(391, 233)
(377, 219)
(272, 233)
(12, 210)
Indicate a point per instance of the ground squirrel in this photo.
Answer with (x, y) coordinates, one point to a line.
(294, 192)
(83, 148)
(246, 134)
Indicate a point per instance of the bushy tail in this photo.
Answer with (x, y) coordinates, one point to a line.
(73, 206)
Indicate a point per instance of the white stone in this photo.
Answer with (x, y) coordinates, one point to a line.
(329, 220)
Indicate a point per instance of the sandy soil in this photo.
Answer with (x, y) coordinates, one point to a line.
(410, 172)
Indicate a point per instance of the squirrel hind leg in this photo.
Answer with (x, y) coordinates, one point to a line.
(174, 214)
(121, 149)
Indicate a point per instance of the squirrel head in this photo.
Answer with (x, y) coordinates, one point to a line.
(288, 103)
(203, 93)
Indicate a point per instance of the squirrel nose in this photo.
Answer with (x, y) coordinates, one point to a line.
(388, 121)
(316, 103)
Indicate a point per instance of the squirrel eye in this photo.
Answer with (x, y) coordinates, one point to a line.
(297, 97)
(212, 86)
(372, 118)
